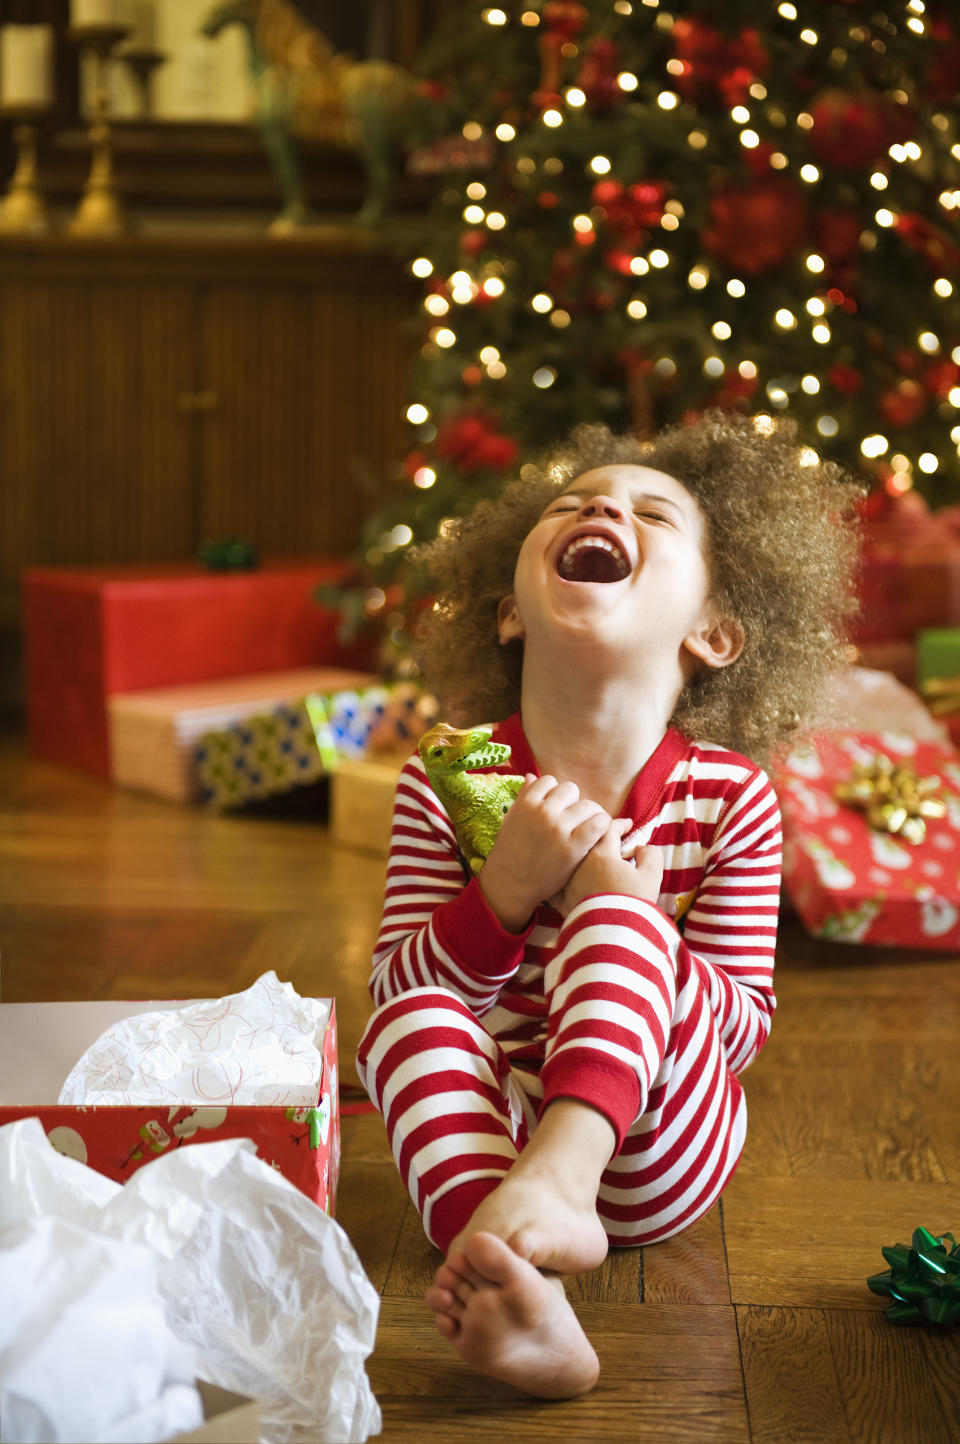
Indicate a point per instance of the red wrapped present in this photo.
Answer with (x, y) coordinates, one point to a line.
(850, 868)
(40, 1042)
(93, 631)
(909, 575)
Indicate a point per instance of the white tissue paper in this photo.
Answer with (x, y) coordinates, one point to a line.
(86, 1352)
(264, 1287)
(261, 1046)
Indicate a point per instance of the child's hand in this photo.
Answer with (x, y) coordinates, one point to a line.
(547, 833)
(638, 873)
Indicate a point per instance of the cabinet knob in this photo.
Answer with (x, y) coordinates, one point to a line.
(192, 403)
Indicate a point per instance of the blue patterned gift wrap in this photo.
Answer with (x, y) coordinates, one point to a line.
(380, 719)
(268, 754)
(354, 716)
(296, 743)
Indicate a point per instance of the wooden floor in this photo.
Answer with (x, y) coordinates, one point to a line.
(755, 1326)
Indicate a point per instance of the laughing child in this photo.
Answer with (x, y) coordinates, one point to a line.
(558, 1040)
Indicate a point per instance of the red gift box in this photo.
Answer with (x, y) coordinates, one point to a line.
(851, 882)
(909, 575)
(40, 1042)
(93, 631)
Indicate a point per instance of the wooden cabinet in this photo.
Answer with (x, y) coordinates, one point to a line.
(156, 391)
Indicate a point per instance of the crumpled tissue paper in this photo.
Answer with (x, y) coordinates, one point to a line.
(86, 1352)
(261, 1046)
(266, 1288)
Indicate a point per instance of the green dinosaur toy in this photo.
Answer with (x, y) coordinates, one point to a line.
(475, 805)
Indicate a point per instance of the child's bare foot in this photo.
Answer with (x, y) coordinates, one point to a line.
(507, 1320)
(550, 1222)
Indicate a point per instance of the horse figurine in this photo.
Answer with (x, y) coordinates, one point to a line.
(306, 91)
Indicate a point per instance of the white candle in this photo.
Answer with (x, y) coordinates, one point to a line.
(141, 17)
(93, 12)
(26, 75)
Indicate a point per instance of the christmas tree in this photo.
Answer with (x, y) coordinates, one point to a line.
(646, 210)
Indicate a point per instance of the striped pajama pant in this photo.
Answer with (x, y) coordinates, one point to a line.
(628, 1030)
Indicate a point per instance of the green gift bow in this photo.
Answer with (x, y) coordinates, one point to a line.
(229, 554)
(923, 1282)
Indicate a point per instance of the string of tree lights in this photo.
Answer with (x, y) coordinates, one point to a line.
(644, 210)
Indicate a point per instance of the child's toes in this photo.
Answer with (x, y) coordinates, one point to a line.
(447, 1326)
(443, 1301)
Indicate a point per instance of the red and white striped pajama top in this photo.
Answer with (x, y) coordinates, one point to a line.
(617, 1005)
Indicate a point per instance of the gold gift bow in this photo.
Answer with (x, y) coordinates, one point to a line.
(895, 798)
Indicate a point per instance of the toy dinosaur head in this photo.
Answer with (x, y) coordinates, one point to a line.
(448, 749)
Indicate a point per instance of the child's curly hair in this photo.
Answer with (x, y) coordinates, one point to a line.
(781, 548)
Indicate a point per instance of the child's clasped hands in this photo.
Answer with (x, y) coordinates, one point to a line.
(557, 846)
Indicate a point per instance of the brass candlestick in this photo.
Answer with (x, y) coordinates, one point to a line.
(101, 211)
(143, 63)
(24, 210)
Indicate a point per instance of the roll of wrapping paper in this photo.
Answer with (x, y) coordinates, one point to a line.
(923, 1281)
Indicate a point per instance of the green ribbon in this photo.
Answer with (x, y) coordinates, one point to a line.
(923, 1281)
(231, 554)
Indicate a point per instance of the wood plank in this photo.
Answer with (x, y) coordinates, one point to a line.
(364, 1139)
(690, 1268)
(878, 994)
(371, 1202)
(792, 1387)
(941, 1362)
(815, 1241)
(800, 1127)
(883, 1378)
(619, 1279)
(415, 1262)
(648, 1388)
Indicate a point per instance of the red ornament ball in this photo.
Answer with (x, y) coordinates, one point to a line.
(756, 228)
(716, 67)
(472, 242)
(471, 440)
(903, 403)
(564, 17)
(836, 234)
(933, 244)
(845, 379)
(850, 128)
(940, 376)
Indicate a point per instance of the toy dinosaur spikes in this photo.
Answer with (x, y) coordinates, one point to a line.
(475, 805)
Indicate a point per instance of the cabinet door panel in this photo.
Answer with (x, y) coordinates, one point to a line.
(97, 461)
(307, 416)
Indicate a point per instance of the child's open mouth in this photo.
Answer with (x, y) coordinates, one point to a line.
(593, 559)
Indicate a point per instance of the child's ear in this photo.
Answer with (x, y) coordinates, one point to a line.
(717, 642)
(509, 625)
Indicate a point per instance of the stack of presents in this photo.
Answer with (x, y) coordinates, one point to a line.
(871, 809)
(231, 687)
(224, 687)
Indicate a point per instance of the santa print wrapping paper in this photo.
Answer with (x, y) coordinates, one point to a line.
(303, 1143)
(850, 882)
